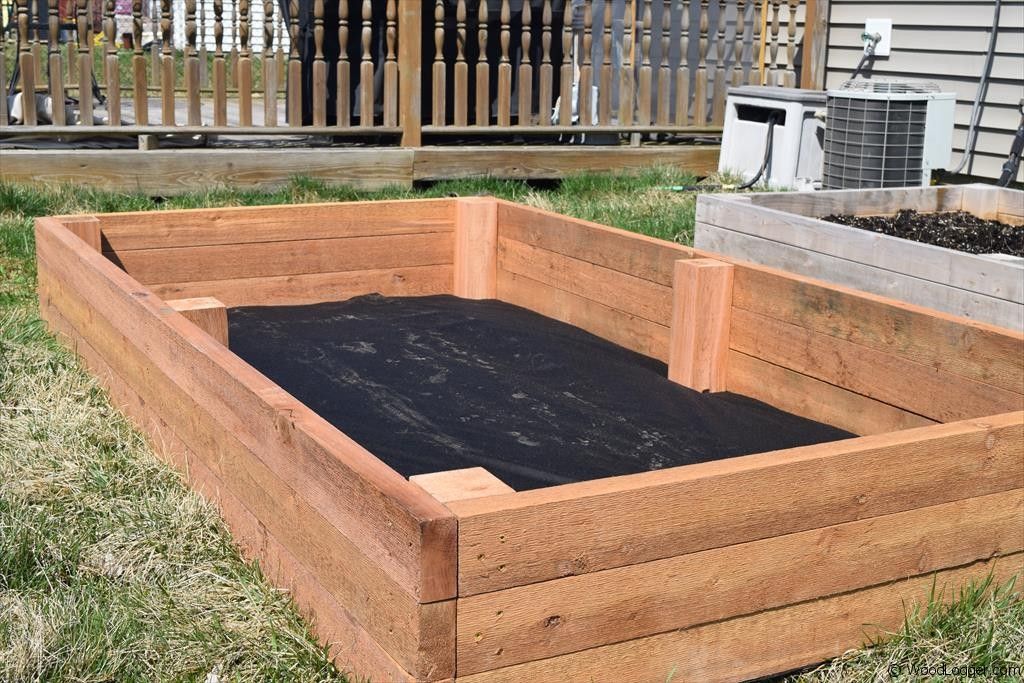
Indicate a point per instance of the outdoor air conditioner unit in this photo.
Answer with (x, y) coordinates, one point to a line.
(886, 134)
(796, 139)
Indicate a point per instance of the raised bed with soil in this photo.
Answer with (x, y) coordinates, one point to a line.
(957, 249)
(486, 442)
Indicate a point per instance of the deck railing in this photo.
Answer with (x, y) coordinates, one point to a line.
(391, 70)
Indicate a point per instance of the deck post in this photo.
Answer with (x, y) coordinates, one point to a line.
(812, 71)
(410, 40)
(206, 313)
(476, 248)
(699, 332)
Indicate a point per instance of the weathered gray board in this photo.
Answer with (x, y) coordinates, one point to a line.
(782, 230)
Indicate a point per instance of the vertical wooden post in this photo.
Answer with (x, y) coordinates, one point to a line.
(3, 78)
(269, 72)
(192, 69)
(295, 66)
(220, 86)
(344, 68)
(410, 42)
(461, 71)
(476, 248)
(547, 70)
(701, 313)
(391, 66)
(700, 81)
(759, 28)
(585, 96)
(664, 71)
(110, 65)
(812, 71)
(167, 75)
(505, 67)
(565, 77)
(55, 68)
(85, 62)
(773, 47)
(140, 90)
(439, 79)
(789, 76)
(525, 117)
(483, 71)
(643, 114)
(320, 65)
(244, 66)
(683, 72)
(604, 90)
(626, 81)
(737, 55)
(86, 228)
(26, 67)
(721, 54)
(206, 313)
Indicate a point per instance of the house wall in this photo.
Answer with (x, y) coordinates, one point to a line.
(944, 42)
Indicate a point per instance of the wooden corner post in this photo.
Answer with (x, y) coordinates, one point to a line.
(410, 57)
(476, 248)
(86, 228)
(206, 313)
(701, 313)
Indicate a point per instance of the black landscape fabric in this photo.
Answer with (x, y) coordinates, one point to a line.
(439, 383)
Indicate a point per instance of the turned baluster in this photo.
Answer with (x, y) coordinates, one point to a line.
(343, 103)
(294, 90)
(192, 66)
(789, 76)
(547, 71)
(26, 66)
(55, 68)
(461, 71)
(756, 45)
(319, 66)
(585, 107)
(111, 70)
(220, 101)
(167, 75)
(391, 64)
(721, 55)
(140, 94)
(646, 72)
(737, 52)
(683, 71)
(566, 72)
(626, 75)
(269, 66)
(665, 71)
(505, 67)
(483, 70)
(244, 66)
(773, 50)
(439, 69)
(526, 69)
(700, 81)
(366, 88)
(85, 62)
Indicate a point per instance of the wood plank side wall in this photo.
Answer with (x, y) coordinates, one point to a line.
(253, 256)
(826, 340)
(378, 545)
(612, 283)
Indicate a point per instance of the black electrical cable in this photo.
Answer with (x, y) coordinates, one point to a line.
(1009, 169)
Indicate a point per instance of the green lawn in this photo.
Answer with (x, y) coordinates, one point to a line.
(112, 570)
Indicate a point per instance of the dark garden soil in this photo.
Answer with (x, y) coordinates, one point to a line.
(954, 230)
(439, 383)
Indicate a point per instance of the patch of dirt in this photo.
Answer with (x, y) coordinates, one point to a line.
(954, 230)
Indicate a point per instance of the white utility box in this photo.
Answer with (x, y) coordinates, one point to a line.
(797, 138)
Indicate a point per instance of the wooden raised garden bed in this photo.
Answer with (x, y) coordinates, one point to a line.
(785, 230)
(732, 568)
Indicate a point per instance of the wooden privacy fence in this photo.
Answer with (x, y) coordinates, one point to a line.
(395, 68)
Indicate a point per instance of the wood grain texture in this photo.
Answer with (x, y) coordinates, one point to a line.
(293, 257)
(816, 400)
(612, 288)
(755, 646)
(627, 252)
(471, 482)
(206, 313)
(898, 286)
(921, 389)
(976, 351)
(312, 288)
(701, 314)
(579, 612)
(632, 332)
(849, 244)
(437, 163)
(168, 172)
(476, 248)
(859, 203)
(540, 535)
(390, 614)
(245, 225)
(85, 228)
(353, 650)
(358, 494)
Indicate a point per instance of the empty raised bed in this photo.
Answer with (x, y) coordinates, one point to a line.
(362, 388)
(793, 231)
